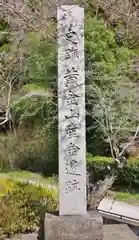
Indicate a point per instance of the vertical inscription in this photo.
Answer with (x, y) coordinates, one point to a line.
(71, 105)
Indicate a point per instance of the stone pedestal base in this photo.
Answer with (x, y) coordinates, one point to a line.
(89, 227)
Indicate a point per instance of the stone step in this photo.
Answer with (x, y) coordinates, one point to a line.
(118, 232)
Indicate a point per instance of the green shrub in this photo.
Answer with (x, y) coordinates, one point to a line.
(6, 186)
(30, 149)
(98, 167)
(130, 173)
(108, 67)
(21, 208)
(34, 147)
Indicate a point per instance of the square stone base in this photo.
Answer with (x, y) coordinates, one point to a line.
(89, 227)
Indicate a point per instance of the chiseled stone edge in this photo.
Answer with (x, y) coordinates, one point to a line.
(54, 221)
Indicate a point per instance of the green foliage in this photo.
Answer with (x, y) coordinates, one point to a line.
(21, 209)
(104, 58)
(99, 167)
(33, 146)
(33, 150)
(131, 173)
(37, 112)
(110, 81)
(5, 37)
(35, 5)
(42, 155)
(33, 111)
(3, 24)
(40, 66)
(6, 186)
(100, 44)
(39, 74)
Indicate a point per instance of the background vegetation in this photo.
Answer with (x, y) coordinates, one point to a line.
(29, 69)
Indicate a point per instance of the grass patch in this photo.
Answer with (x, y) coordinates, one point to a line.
(29, 176)
(131, 197)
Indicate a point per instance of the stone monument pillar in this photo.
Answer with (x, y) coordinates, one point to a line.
(73, 222)
(71, 105)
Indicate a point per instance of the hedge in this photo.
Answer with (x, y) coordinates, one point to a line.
(22, 206)
(98, 167)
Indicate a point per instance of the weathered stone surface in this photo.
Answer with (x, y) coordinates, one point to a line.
(30, 236)
(71, 108)
(118, 232)
(89, 227)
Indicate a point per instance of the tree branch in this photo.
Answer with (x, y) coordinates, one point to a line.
(124, 149)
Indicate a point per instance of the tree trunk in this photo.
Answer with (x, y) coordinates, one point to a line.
(100, 189)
